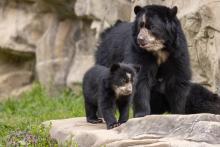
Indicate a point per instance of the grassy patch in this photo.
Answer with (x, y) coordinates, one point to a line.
(20, 120)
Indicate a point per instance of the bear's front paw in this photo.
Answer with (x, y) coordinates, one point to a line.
(113, 125)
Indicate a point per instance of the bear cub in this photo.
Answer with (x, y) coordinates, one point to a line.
(105, 89)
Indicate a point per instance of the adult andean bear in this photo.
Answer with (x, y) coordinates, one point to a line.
(156, 42)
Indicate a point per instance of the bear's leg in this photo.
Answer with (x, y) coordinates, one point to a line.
(107, 106)
(177, 97)
(109, 117)
(201, 100)
(91, 113)
(141, 101)
(99, 113)
(123, 107)
(158, 103)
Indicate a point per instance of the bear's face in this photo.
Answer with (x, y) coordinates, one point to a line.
(154, 27)
(122, 78)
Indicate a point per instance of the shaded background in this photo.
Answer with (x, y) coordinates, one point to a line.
(53, 41)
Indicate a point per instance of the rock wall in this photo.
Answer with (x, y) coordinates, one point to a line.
(53, 41)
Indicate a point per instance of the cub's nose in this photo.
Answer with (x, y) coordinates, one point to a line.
(129, 88)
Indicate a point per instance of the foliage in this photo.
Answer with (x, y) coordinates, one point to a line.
(21, 119)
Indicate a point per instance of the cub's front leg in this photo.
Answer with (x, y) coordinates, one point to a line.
(123, 106)
(107, 105)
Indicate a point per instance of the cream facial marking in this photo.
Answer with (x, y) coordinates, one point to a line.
(144, 19)
(129, 76)
(148, 41)
(125, 89)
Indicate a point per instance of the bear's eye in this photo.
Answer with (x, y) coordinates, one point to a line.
(148, 26)
(142, 24)
(151, 27)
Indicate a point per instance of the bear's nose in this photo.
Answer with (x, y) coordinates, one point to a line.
(141, 41)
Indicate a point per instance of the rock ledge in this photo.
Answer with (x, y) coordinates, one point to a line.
(200, 130)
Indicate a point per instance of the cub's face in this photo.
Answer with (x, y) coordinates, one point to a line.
(153, 26)
(122, 79)
(123, 84)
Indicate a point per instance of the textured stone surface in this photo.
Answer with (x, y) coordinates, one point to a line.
(59, 35)
(16, 72)
(103, 9)
(20, 30)
(151, 131)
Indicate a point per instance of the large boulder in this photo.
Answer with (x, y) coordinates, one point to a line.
(17, 48)
(151, 131)
(16, 72)
(104, 10)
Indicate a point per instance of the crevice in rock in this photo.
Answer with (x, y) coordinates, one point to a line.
(17, 71)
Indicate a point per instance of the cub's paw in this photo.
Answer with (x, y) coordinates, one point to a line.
(113, 125)
(121, 122)
(95, 121)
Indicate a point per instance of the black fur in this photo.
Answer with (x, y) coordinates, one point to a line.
(199, 100)
(119, 44)
(100, 96)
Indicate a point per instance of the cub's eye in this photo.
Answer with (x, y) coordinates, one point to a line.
(123, 80)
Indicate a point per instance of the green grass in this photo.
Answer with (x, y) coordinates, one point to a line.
(21, 119)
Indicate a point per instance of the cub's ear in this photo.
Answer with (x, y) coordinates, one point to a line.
(173, 11)
(137, 68)
(137, 9)
(114, 67)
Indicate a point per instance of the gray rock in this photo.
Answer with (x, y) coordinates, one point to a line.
(46, 31)
(103, 10)
(16, 72)
(20, 30)
(200, 130)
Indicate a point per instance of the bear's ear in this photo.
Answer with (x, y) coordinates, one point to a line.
(137, 68)
(215, 96)
(173, 11)
(114, 67)
(137, 9)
